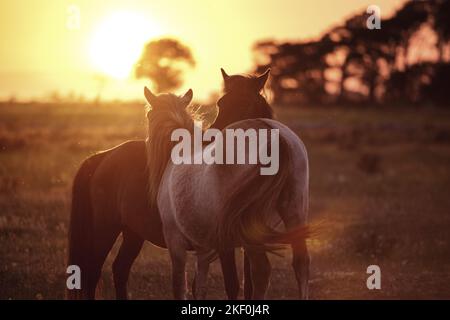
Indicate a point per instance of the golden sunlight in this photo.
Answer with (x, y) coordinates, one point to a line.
(118, 41)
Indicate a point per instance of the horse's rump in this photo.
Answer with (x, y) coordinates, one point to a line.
(245, 216)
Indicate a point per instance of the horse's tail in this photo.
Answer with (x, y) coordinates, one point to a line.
(244, 220)
(81, 227)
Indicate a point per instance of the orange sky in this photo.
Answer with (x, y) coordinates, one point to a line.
(40, 54)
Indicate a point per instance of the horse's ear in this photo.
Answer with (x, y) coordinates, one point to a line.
(151, 98)
(187, 98)
(261, 80)
(224, 75)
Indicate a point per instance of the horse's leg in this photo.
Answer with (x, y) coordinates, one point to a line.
(104, 239)
(248, 288)
(129, 250)
(200, 285)
(178, 258)
(178, 252)
(260, 272)
(230, 274)
(300, 263)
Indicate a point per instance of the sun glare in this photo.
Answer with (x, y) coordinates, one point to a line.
(118, 41)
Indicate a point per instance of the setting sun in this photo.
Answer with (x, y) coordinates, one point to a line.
(118, 41)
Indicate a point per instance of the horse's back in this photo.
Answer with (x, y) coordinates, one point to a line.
(297, 148)
(119, 191)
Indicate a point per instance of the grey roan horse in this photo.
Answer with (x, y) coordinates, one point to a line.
(109, 197)
(210, 206)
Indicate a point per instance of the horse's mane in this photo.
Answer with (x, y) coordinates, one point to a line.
(163, 120)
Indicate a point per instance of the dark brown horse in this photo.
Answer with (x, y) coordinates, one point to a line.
(242, 94)
(109, 197)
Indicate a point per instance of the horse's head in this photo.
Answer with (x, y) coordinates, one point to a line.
(242, 99)
(244, 84)
(168, 111)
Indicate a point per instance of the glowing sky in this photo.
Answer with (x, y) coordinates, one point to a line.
(41, 52)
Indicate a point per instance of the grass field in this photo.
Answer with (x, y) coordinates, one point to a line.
(380, 179)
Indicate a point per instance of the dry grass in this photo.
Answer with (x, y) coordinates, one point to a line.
(379, 178)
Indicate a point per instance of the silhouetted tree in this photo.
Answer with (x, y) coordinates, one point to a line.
(436, 90)
(295, 66)
(441, 14)
(162, 61)
(407, 86)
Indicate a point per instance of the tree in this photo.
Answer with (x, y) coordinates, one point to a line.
(163, 62)
(442, 26)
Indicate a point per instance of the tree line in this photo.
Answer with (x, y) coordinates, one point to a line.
(406, 61)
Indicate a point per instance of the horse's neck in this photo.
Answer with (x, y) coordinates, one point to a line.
(223, 119)
(264, 108)
(258, 106)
